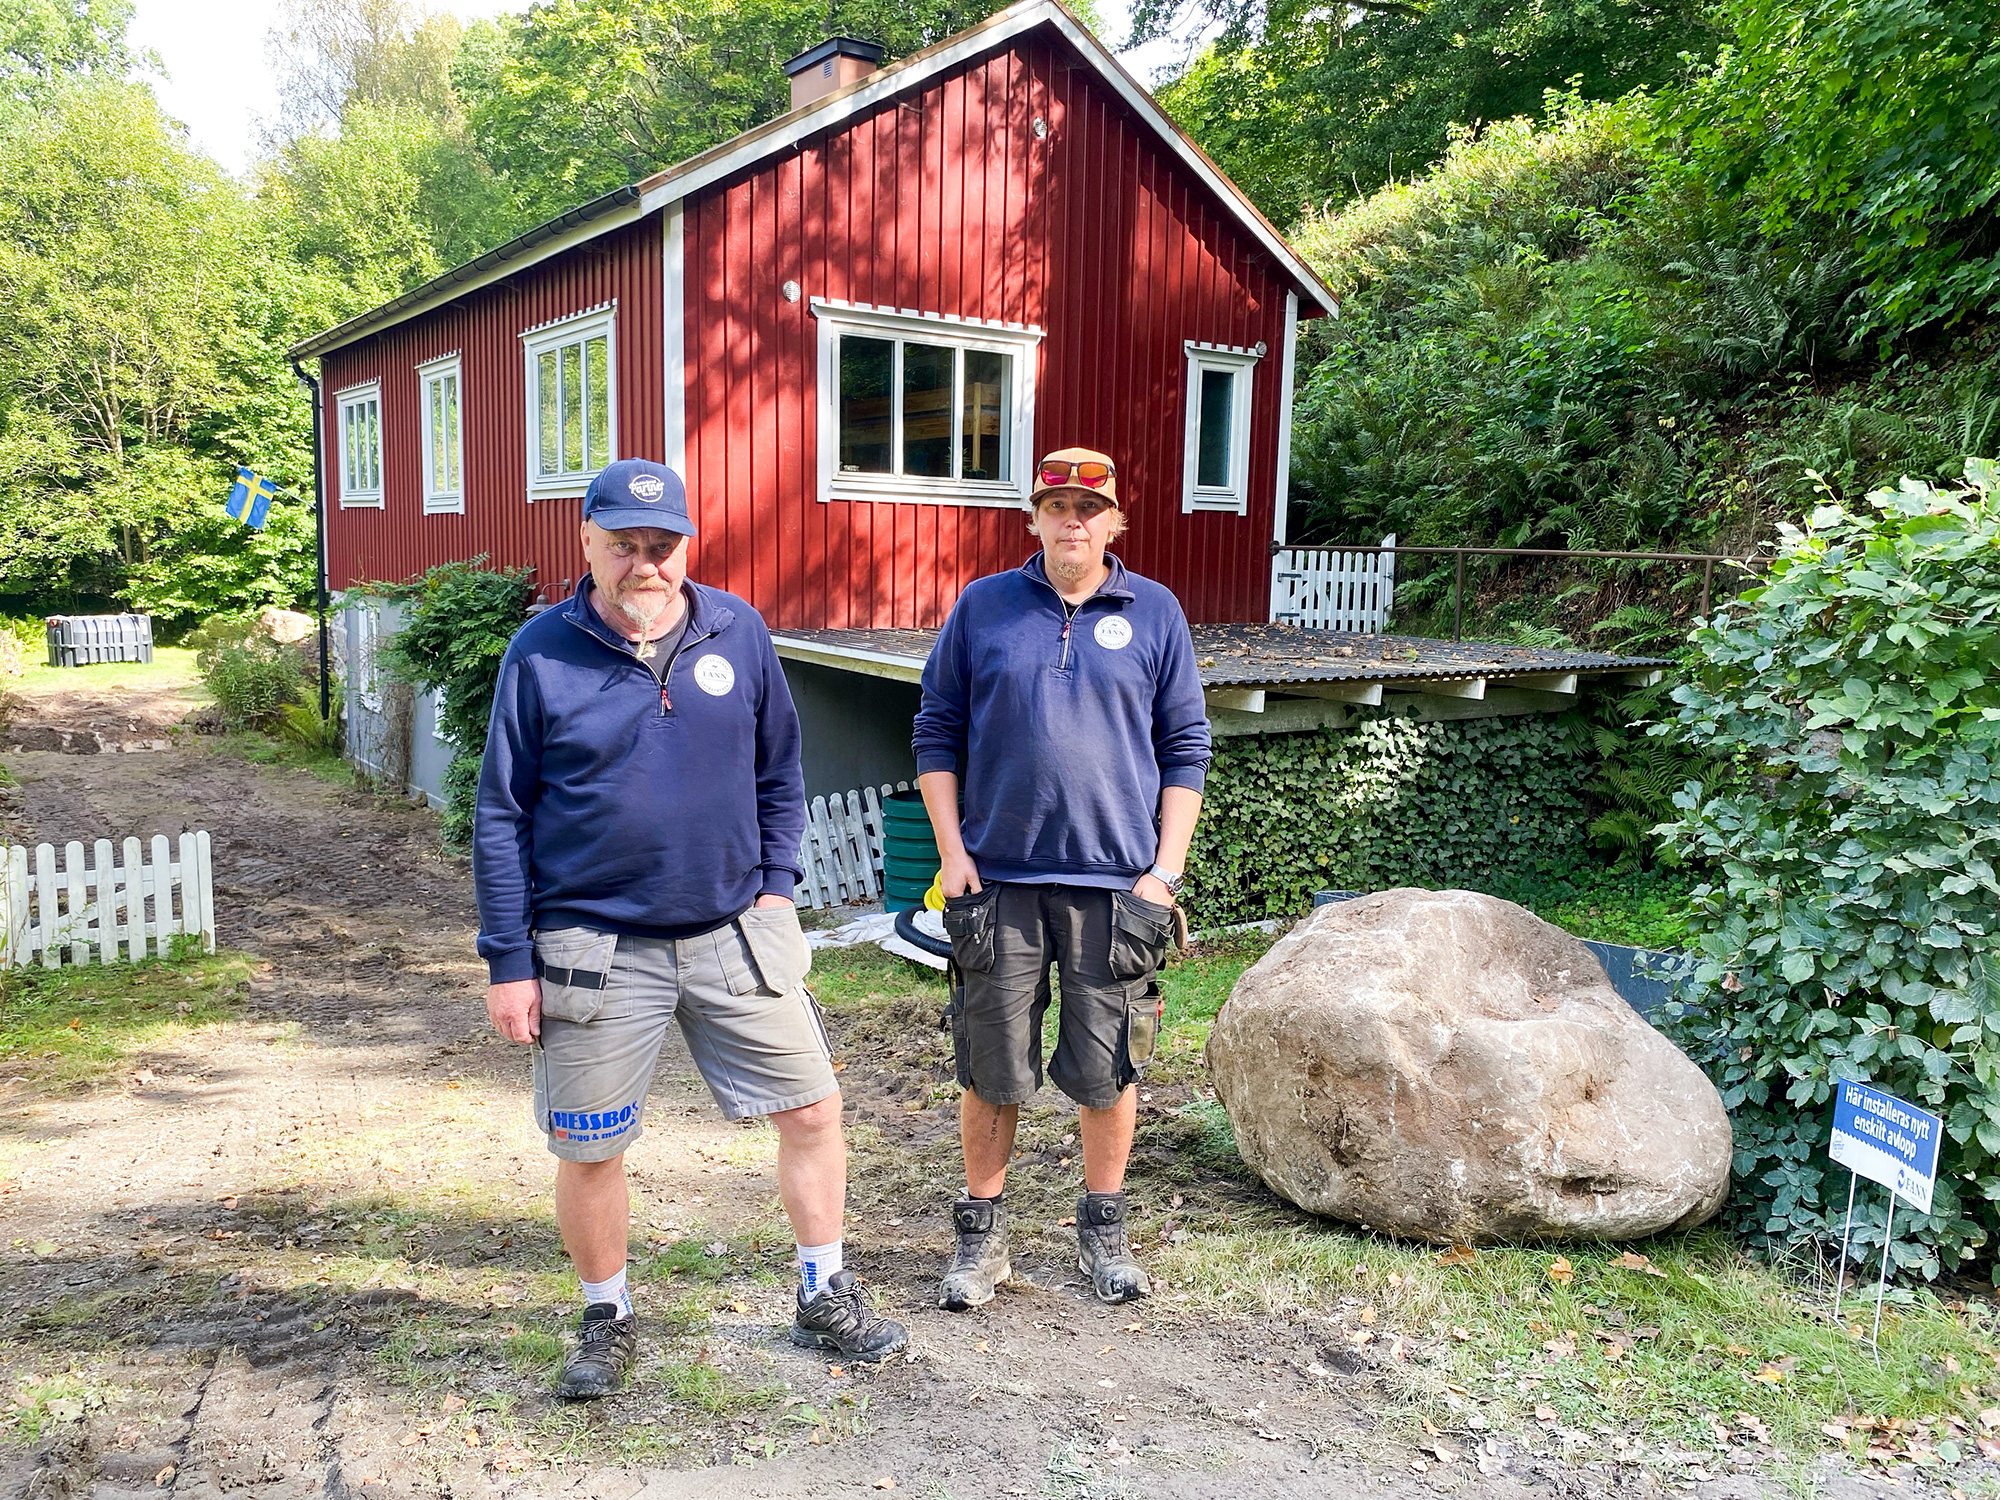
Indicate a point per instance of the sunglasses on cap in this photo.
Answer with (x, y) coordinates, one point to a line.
(1091, 473)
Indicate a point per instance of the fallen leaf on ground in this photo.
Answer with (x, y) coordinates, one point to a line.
(738, 1307)
(1546, 1415)
(1632, 1261)
(1739, 1351)
(1368, 1314)
(1359, 1336)
(1133, 1327)
(981, 1348)
(1108, 1349)
(1175, 1201)
(1066, 1222)
(1461, 1334)
(1835, 1430)
(885, 1483)
(472, 1437)
(836, 1371)
(1561, 1272)
(715, 1249)
(165, 1477)
(1457, 1255)
(409, 1440)
(1770, 1375)
(451, 1403)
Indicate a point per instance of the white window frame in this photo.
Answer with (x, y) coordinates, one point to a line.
(576, 328)
(366, 667)
(1018, 340)
(346, 403)
(449, 502)
(437, 716)
(1233, 497)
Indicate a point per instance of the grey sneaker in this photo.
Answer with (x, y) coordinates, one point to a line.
(981, 1262)
(605, 1345)
(841, 1319)
(1104, 1254)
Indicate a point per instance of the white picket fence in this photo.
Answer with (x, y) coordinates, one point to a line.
(842, 850)
(111, 908)
(1332, 590)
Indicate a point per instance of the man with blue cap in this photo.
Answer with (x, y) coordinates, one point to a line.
(635, 848)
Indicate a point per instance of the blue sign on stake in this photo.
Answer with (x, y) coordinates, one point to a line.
(1882, 1138)
(1887, 1141)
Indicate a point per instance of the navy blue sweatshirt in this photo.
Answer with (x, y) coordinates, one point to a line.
(1066, 729)
(611, 800)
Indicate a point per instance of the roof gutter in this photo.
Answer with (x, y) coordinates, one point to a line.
(477, 269)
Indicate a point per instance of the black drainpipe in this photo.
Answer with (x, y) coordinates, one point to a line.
(319, 542)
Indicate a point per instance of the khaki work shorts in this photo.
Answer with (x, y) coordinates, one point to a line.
(738, 992)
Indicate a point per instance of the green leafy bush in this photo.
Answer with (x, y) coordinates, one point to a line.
(457, 621)
(252, 681)
(1484, 804)
(1853, 929)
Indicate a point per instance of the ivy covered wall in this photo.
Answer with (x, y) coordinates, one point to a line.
(1483, 804)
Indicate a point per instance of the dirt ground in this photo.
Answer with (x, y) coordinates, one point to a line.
(311, 1252)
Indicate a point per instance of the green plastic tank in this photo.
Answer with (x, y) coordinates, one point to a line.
(909, 851)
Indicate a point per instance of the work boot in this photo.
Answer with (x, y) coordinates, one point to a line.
(1104, 1253)
(981, 1262)
(604, 1347)
(841, 1319)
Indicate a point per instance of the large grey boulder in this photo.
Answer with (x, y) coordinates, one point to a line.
(1448, 1066)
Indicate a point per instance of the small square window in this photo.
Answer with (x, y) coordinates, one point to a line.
(1217, 436)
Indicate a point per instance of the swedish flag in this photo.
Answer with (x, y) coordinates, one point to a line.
(250, 501)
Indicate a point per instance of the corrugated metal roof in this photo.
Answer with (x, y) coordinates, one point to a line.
(1267, 656)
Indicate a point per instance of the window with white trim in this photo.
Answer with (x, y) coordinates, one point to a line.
(444, 450)
(360, 461)
(367, 673)
(1216, 467)
(572, 402)
(924, 408)
(437, 716)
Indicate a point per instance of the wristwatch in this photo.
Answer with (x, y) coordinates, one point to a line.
(1173, 882)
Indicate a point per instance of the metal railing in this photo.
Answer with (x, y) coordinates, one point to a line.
(1708, 560)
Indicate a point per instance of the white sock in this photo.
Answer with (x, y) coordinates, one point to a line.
(612, 1290)
(817, 1264)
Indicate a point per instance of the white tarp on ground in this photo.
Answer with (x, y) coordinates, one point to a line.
(880, 927)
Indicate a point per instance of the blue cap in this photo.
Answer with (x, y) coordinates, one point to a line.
(638, 492)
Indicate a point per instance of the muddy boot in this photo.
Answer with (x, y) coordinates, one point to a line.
(981, 1262)
(1104, 1254)
(604, 1347)
(841, 1319)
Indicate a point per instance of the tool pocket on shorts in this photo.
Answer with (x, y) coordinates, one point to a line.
(968, 922)
(778, 947)
(1142, 1028)
(576, 968)
(1140, 932)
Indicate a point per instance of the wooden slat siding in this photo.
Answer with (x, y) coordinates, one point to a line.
(399, 541)
(944, 201)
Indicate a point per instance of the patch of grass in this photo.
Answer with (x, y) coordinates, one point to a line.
(265, 750)
(172, 668)
(39, 1406)
(533, 1352)
(1590, 1350)
(73, 1025)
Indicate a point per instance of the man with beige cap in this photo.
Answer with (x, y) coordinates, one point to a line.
(1065, 694)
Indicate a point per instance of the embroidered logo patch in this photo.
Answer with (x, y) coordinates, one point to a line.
(1113, 633)
(648, 487)
(714, 676)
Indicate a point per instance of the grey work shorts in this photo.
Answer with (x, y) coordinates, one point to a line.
(1107, 947)
(754, 1030)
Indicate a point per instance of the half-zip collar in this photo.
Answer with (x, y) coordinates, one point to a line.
(1113, 587)
(705, 620)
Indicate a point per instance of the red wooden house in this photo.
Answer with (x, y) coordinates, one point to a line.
(853, 329)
